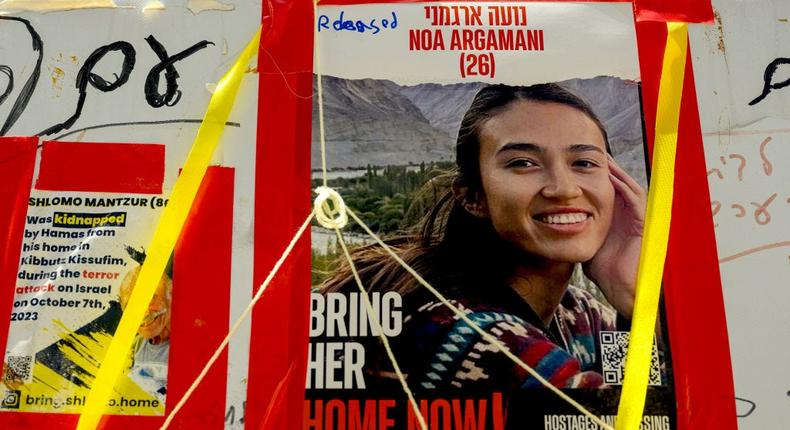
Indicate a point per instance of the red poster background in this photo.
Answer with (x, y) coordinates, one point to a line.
(692, 288)
(278, 346)
(201, 280)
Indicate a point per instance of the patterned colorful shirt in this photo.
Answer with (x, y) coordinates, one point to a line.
(446, 353)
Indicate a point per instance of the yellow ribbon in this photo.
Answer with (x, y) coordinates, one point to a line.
(165, 236)
(656, 235)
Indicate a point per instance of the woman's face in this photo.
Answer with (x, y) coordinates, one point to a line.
(545, 178)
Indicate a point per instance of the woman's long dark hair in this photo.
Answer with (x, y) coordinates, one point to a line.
(452, 249)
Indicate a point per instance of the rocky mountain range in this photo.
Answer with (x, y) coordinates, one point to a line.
(379, 122)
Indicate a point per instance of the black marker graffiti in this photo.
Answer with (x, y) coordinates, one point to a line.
(128, 123)
(768, 78)
(740, 403)
(230, 415)
(86, 76)
(27, 91)
(172, 94)
(152, 95)
(10, 87)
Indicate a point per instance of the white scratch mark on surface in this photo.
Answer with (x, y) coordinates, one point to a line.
(197, 6)
(153, 5)
(7, 6)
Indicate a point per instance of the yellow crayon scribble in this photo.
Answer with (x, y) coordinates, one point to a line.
(57, 74)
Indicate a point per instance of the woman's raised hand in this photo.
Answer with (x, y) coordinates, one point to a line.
(614, 266)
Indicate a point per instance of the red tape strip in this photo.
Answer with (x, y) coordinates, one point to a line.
(102, 167)
(17, 160)
(674, 10)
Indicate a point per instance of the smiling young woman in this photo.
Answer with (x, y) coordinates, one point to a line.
(534, 193)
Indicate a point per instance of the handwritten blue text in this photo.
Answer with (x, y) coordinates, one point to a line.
(372, 26)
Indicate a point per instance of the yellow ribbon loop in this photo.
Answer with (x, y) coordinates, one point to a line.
(165, 236)
(656, 234)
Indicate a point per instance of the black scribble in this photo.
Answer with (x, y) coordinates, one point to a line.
(124, 124)
(167, 65)
(86, 76)
(741, 403)
(27, 91)
(768, 78)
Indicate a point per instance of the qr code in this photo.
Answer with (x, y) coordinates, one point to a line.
(614, 346)
(19, 368)
(11, 399)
